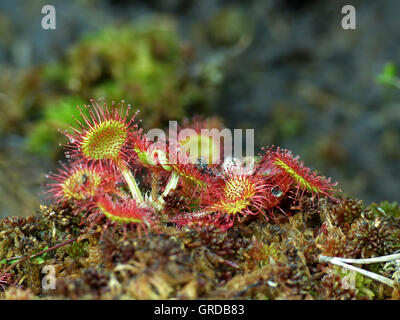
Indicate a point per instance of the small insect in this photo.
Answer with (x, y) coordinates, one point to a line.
(84, 179)
(203, 167)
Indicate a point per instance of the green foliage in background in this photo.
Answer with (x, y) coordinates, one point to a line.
(388, 76)
(146, 64)
(56, 114)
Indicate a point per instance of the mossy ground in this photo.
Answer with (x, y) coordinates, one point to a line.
(255, 259)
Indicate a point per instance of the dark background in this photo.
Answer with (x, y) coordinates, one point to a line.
(285, 68)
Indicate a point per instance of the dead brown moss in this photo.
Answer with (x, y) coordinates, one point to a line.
(257, 259)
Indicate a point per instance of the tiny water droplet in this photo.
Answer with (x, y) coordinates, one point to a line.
(277, 192)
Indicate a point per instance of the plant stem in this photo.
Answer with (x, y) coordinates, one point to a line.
(133, 187)
(172, 183)
(337, 261)
(37, 254)
(387, 258)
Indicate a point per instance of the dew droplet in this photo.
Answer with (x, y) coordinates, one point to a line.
(277, 192)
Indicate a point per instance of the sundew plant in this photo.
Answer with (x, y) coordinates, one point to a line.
(116, 174)
(134, 207)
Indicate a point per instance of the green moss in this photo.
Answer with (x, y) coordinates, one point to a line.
(256, 259)
(356, 281)
(142, 63)
(229, 26)
(388, 76)
(270, 251)
(78, 249)
(385, 209)
(43, 137)
(145, 64)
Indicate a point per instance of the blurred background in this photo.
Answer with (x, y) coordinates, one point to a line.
(285, 68)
